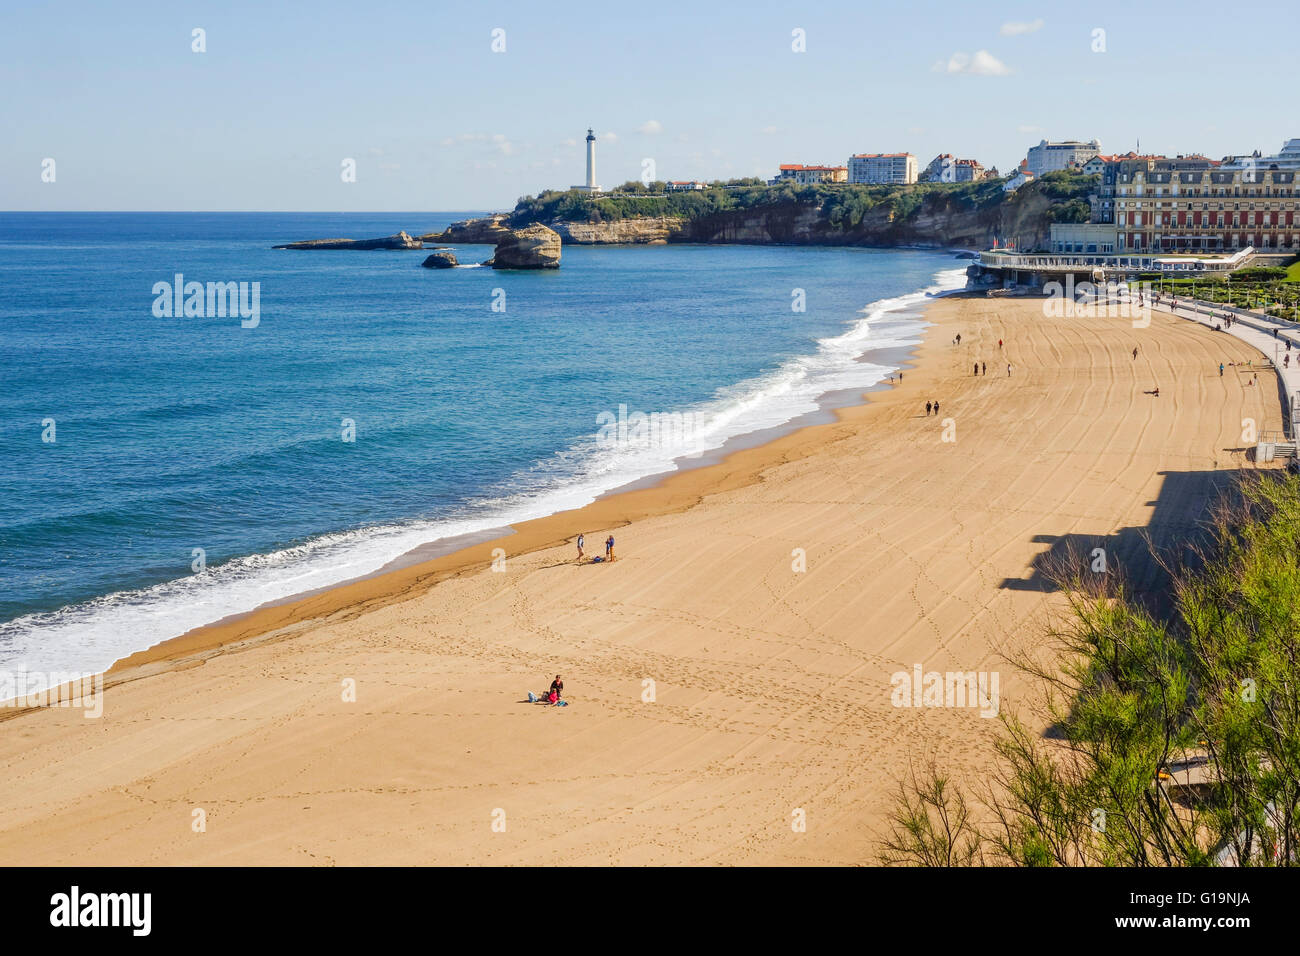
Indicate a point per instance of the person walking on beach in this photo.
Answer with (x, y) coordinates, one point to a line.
(1135, 353)
(1220, 370)
(582, 539)
(985, 368)
(927, 409)
(977, 368)
(1008, 370)
(999, 344)
(609, 548)
(936, 408)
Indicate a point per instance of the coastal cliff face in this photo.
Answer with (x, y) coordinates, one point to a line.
(622, 231)
(966, 216)
(937, 222)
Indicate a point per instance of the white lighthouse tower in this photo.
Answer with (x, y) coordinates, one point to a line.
(591, 163)
(590, 185)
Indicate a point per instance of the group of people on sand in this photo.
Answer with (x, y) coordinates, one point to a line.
(980, 368)
(552, 696)
(609, 549)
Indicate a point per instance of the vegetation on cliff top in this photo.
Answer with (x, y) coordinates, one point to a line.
(842, 205)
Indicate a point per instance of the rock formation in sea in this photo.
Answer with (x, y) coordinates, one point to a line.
(400, 241)
(533, 247)
(440, 259)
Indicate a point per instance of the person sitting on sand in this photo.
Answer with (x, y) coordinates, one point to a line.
(557, 689)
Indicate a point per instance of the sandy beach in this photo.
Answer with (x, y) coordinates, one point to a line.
(717, 693)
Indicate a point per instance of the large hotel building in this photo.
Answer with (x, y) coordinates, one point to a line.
(1193, 204)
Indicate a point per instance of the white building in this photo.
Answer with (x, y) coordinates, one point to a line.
(882, 168)
(1287, 159)
(1086, 238)
(684, 185)
(1048, 157)
(1018, 178)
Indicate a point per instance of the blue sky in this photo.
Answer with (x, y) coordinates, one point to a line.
(434, 119)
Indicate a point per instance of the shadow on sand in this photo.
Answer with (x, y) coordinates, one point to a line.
(1178, 524)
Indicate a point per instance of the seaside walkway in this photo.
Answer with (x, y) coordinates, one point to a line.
(1263, 332)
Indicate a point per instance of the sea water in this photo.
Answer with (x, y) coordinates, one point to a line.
(159, 471)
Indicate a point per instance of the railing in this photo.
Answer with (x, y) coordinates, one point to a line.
(1153, 262)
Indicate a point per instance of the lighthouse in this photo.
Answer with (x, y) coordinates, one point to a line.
(590, 185)
(591, 162)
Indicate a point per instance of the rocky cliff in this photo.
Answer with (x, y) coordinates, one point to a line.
(965, 215)
(1022, 218)
(622, 231)
(487, 230)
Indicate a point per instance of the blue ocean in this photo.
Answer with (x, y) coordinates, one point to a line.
(161, 471)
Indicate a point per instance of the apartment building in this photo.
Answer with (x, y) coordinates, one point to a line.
(882, 168)
(1048, 157)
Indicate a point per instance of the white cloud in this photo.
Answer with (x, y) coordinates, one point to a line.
(769, 130)
(980, 63)
(611, 137)
(650, 127)
(570, 142)
(1015, 28)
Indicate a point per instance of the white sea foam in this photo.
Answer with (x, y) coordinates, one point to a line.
(89, 637)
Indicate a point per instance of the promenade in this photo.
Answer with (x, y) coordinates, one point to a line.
(1270, 336)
